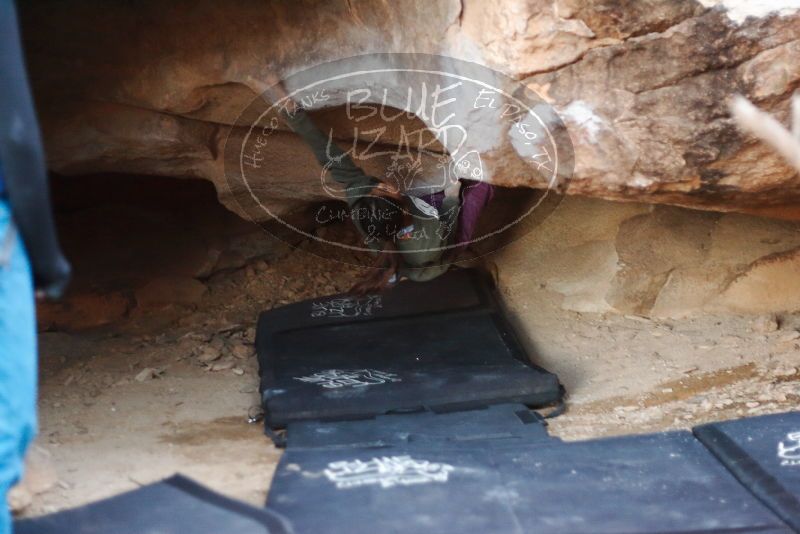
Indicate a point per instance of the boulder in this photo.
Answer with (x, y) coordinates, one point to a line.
(654, 261)
(642, 86)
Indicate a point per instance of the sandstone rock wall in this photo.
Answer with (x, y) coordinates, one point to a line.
(655, 261)
(153, 88)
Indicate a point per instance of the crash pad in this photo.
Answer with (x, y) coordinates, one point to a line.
(658, 483)
(763, 453)
(176, 505)
(441, 345)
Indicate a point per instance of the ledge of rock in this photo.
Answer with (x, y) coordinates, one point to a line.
(641, 85)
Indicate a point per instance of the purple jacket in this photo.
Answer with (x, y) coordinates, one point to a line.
(474, 197)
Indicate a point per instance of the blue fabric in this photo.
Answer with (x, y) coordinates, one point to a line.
(2, 183)
(17, 363)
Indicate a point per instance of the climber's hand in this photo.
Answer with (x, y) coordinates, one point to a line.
(271, 86)
(453, 188)
(268, 84)
(272, 79)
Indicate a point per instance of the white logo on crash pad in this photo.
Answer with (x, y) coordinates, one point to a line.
(346, 306)
(789, 449)
(338, 378)
(386, 472)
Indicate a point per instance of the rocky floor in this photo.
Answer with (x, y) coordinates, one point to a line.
(169, 388)
(677, 374)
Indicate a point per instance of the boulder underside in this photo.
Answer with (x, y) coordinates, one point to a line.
(642, 86)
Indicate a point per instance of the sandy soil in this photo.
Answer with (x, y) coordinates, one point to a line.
(128, 405)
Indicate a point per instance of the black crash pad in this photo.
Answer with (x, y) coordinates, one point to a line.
(661, 483)
(440, 345)
(458, 289)
(764, 454)
(409, 489)
(655, 483)
(501, 422)
(173, 506)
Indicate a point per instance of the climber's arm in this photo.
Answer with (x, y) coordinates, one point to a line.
(327, 153)
(474, 199)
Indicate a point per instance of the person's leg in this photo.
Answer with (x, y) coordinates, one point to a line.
(17, 361)
(475, 196)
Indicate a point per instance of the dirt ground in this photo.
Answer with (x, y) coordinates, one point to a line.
(164, 388)
(168, 389)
